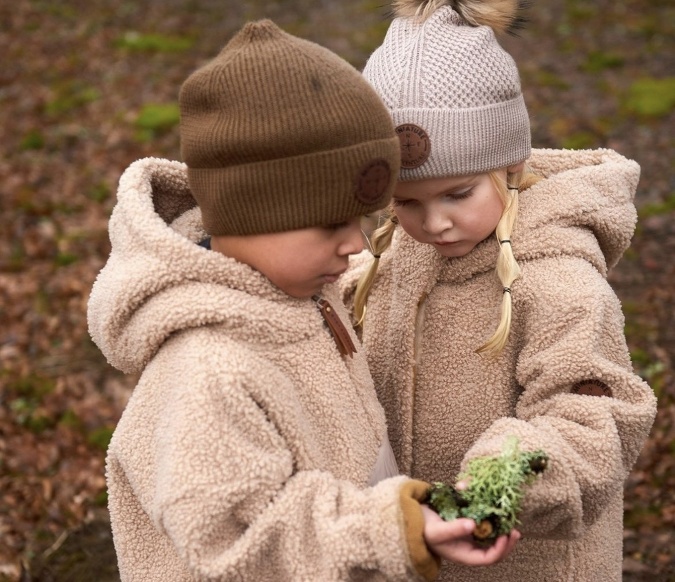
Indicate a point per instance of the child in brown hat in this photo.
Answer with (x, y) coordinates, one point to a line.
(253, 446)
(489, 315)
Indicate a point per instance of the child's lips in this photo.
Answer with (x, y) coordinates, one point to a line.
(332, 277)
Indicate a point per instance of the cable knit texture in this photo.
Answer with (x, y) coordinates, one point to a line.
(454, 405)
(245, 448)
(460, 86)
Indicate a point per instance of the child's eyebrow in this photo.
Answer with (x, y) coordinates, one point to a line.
(457, 188)
(443, 192)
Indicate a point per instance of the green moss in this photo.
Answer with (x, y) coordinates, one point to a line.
(580, 12)
(635, 517)
(99, 192)
(59, 9)
(28, 414)
(651, 97)
(651, 370)
(372, 36)
(101, 498)
(665, 207)
(494, 493)
(599, 61)
(630, 255)
(579, 141)
(70, 419)
(33, 386)
(64, 259)
(100, 438)
(158, 116)
(639, 357)
(158, 43)
(17, 257)
(69, 96)
(548, 79)
(33, 140)
(564, 29)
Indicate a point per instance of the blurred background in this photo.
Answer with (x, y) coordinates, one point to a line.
(87, 87)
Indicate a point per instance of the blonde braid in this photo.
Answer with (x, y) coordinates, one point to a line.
(380, 240)
(507, 267)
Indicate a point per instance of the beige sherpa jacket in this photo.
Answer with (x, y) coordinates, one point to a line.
(246, 447)
(445, 404)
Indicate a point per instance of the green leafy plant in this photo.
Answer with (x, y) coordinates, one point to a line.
(494, 491)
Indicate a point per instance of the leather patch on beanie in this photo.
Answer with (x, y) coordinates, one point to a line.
(372, 181)
(415, 145)
(592, 388)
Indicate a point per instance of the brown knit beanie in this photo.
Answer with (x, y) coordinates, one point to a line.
(452, 90)
(279, 133)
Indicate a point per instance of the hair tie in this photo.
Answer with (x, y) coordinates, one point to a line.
(507, 290)
(376, 256)
(506, 240)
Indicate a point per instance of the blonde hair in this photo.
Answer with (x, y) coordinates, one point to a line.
(507, 268)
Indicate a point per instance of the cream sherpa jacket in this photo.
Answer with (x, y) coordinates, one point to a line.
(246, 447)
(445, 404)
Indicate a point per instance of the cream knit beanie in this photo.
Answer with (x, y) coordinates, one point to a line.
(279, 133)
(453, 92)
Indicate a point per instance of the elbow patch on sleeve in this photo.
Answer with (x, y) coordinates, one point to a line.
(592, 388)
(412, 493)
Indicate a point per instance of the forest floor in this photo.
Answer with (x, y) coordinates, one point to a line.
(88, 87)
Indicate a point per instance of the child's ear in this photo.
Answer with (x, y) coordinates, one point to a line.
(515, 168)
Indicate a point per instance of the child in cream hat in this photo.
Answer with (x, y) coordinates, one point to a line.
(485, 310)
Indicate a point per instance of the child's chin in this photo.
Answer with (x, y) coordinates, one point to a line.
(453, 250)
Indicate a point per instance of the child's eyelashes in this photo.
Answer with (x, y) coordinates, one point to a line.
(336, 225)
(397, 202)
(459, 195)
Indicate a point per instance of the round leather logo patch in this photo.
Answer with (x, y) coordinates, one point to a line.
(415, 145)
(592, 388)
(372, 181)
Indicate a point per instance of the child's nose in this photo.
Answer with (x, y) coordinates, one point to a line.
(435, 222)
(353, 241)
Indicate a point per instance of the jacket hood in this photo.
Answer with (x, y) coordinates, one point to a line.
(584, 207)
(158, 281)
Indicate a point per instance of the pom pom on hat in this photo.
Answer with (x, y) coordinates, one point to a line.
(500, 15)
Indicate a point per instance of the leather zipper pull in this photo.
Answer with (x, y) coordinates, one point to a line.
(340, 334)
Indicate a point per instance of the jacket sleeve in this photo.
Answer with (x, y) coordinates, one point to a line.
(573, 328)
(231, 499)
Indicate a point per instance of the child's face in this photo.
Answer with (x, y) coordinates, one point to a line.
(299, 262)
(453, 214)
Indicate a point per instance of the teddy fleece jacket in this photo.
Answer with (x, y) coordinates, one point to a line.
(446, 404)
(245, 450)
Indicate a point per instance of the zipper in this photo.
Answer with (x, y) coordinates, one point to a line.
(417, 354)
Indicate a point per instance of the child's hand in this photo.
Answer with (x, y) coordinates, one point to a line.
(451, 540)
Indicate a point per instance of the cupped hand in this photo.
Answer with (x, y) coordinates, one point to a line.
(452, 540)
